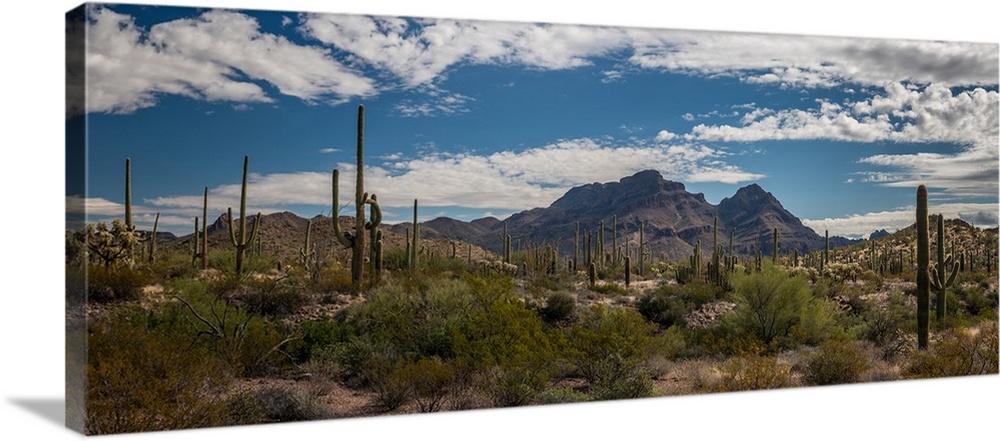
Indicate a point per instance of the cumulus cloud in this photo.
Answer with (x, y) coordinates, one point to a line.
(217, 56)
(906, 114)
(420, 52)
(803, 61)
(861, 225)
(665, 136)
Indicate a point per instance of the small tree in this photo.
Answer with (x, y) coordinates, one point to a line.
(769, 303)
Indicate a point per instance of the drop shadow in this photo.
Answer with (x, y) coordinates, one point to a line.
(51, 409)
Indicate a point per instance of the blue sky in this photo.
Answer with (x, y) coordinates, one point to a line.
(489, 118)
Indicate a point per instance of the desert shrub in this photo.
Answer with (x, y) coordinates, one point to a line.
(770, 304)
(609, 347)
(142, 377)
(430, 380)
(836, 363)
(886, 326)
(609, 288)
(320, 336)
(388, 379)
(753, 372)
(105, 285)
(394, 259)
(662, 307)
(245, 341)
(959, 352)
(558, 306)
(670, 344)
(513, 386)
(559, 395)
(272, 298)
(973, 300)
(225, 260)
(617, 377)
(280, 404)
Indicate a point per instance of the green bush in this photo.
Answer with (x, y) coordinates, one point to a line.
(144, 376)
(558, 307)
(609, 348)
(836, 363)
(513, 386)
(958, 353)
(242, 339)
(280, 404)
(770, 305)
(617, 378)
(116, 284)
(430, 381)
(272, 298)
(609, 288)
(752, 372)
(662, 307)
(559, 395)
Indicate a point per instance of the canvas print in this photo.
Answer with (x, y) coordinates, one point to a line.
(282, 216)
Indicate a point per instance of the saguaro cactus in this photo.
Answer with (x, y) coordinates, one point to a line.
(774, 253)
(923, 257)
(415, 246)
(128, 194)
(204, 231)
(152, 240)
(308, 250)
(628, 271)
(242, 244)
(940, 280)
(356, 241)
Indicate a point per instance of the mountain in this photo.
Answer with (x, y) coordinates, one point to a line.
(674, 219)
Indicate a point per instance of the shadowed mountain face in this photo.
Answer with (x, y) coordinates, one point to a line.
(674, 220)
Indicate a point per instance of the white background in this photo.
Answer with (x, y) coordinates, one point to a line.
(31, 224)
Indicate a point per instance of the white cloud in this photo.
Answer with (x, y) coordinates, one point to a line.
(688, 117)
(860, 225)
(803, 61)
(902, 113)
(329, 150)
(223, 55)
(216, 56)
(420, 52)
(508, 180)
(665, 136)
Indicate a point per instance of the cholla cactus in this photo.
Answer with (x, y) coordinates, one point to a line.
(112, 246)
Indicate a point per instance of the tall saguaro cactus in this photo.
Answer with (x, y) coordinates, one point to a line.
(356, 241)
(415, 247)
(242, 244)
(128, 194)
(923, 257)
(940, 280)
(204, 232)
